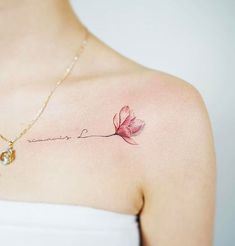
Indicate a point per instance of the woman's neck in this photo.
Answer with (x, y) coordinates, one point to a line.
(36, 31)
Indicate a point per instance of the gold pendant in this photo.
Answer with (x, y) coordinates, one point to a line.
(8, 156)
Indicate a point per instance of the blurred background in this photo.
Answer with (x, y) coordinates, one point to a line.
(194, 40)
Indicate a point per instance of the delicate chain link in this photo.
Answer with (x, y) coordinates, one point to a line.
(66, 74)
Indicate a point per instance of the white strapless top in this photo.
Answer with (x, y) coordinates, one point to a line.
(47, 224)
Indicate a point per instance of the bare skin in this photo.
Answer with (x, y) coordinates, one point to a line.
(168, 178)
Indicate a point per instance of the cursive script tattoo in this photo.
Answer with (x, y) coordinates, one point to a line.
(125, 123)
(49, 139)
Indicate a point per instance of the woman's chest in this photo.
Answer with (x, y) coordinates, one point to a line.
(73, 158)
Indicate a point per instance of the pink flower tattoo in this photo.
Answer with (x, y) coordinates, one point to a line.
(126, 126)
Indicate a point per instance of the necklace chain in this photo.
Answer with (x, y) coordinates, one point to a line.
(66, 74)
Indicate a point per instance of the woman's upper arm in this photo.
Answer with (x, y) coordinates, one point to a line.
(178, 168)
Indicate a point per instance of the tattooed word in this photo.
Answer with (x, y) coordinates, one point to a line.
(49, 139)
(125, 123)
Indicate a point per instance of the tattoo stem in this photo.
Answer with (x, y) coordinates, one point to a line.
(104, 136)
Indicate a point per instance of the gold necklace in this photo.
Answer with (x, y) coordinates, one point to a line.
(9, 155)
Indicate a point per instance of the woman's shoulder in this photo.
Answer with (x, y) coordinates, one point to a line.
(171, 107)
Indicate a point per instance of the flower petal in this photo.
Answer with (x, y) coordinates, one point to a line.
(130, 140)
(129, 118)
(115, 121)
(136, 126)
(123, 114)
(124, 131)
